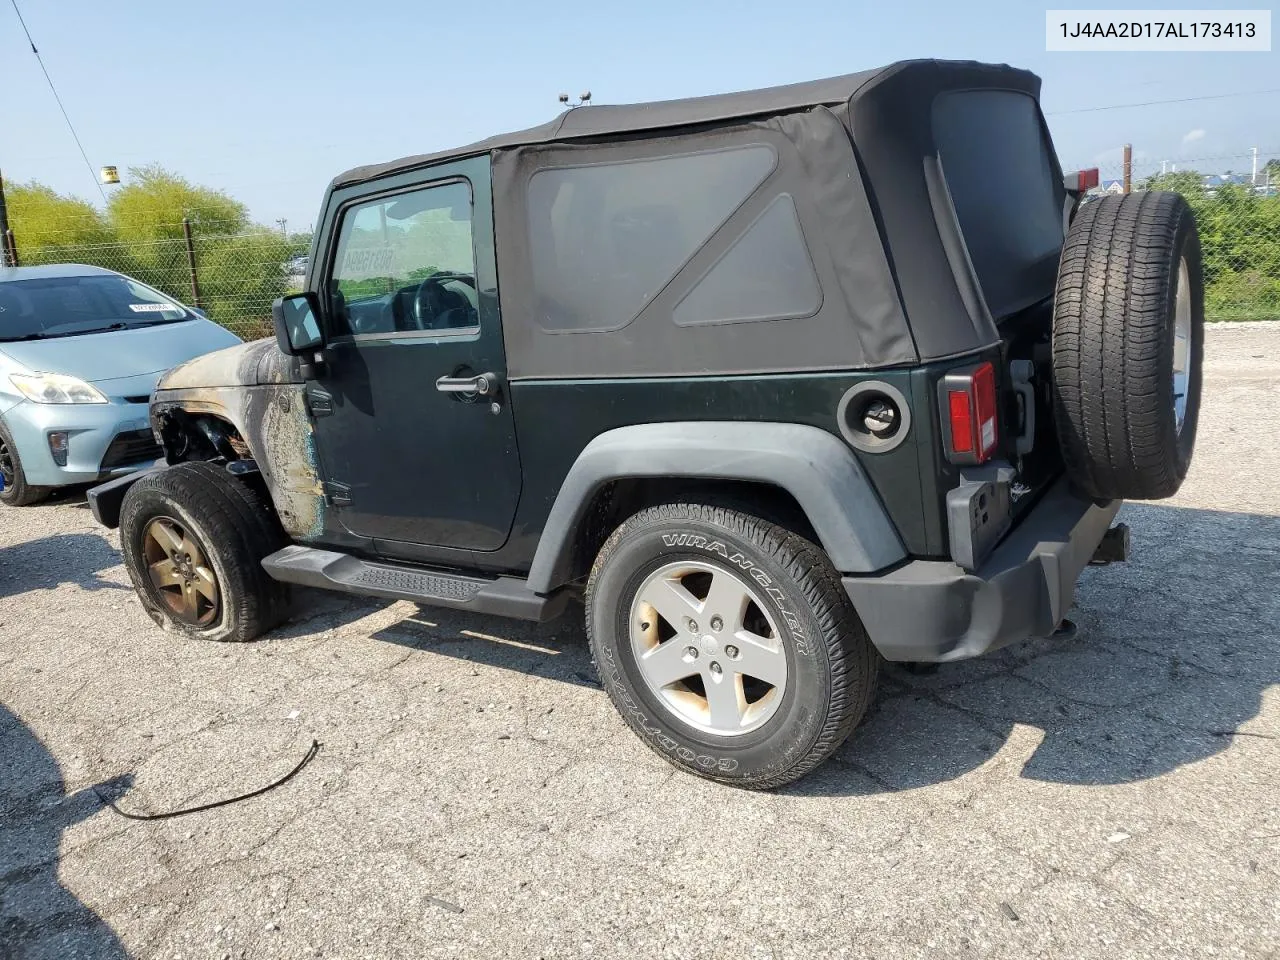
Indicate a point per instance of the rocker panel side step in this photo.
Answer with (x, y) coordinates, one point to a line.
(330, 570)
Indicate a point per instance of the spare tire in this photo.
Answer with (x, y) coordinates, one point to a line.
(1128, 341)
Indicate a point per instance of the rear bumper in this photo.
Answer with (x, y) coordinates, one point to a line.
(933, 611)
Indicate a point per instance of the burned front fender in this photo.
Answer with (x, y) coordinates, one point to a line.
(257, 391)
(272, 427)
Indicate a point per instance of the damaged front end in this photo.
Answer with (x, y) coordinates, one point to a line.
(243, 407)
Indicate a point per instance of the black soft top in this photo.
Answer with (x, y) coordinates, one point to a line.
(860, 157)
(584, 123)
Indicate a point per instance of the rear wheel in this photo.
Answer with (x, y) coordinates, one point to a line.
(17, 492)
(193, 538)
(727, 643)
(1128, 343)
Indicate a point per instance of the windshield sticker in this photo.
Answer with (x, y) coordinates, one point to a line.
(367, 263)
(153, 307)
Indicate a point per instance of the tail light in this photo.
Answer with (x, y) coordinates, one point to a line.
(1082, 180)
(970, 426)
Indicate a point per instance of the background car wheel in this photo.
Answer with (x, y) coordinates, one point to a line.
(193, 538)
(1128, 345)
(17, 492)
(727, 643)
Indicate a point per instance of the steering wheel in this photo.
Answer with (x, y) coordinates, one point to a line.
(431, 307)
(426, 303)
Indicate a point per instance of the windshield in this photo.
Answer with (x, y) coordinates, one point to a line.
(69, 306)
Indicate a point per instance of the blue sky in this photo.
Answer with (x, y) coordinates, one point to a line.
(269, 100)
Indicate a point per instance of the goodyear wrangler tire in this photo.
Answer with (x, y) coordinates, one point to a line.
(727, 643)
(1128, 345)
(193, 539)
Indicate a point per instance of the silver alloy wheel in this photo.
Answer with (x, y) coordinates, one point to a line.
(707, 648)
(1181, 345)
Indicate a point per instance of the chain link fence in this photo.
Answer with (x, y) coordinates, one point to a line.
(230, 273)
(234, 274)
(1236, 199)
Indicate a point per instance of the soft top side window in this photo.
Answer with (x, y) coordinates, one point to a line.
(605, 238)
(405, 263)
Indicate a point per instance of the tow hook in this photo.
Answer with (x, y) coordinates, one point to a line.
(1114, 547)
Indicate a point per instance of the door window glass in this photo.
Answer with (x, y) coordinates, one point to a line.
(406, 264)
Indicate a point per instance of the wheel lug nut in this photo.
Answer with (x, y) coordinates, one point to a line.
(717, 623)
(693, 625)
(692, 652)
(716, 668)
(731, 652)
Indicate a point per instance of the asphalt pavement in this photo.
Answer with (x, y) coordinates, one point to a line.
(475, 795)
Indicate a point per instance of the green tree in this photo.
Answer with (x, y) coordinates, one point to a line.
(154, 202)
(49, 227)
(146, 216)
(241, 275)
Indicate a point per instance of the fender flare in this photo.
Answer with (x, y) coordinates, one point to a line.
(814, 466)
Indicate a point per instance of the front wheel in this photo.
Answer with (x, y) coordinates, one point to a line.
(17, 492)
(727, 643)
(193, 538)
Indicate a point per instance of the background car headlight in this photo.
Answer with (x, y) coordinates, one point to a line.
(55, 388)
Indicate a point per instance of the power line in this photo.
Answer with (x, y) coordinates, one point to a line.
(1153, 103)
(70, 126)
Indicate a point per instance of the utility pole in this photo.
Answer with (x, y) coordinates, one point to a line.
(1254, 179)
(6, 242)
(1128, 167)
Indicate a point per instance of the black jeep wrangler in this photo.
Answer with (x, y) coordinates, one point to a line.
(779, 383)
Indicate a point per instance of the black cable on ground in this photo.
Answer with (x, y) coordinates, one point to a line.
(311, 753)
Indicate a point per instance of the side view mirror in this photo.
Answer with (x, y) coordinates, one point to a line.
(200, 312)
(296, 326)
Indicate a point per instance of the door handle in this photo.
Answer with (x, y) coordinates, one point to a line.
(483, 385)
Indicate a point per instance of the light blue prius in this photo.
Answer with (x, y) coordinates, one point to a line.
(81, 349)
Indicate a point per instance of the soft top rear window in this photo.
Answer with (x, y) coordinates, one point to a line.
(1007, 196)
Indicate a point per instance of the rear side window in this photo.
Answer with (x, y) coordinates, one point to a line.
(604, 239)
(765, 275)
(996, 161)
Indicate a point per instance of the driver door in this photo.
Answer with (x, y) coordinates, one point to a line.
(413, 427)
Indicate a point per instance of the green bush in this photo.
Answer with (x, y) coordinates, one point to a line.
(1240, 240)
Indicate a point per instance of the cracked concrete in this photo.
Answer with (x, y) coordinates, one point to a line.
(1116, 794)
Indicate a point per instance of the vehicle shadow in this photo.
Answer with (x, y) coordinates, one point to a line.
(556, 650)
(50, 561)
(1174, 652)
(39, 918)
